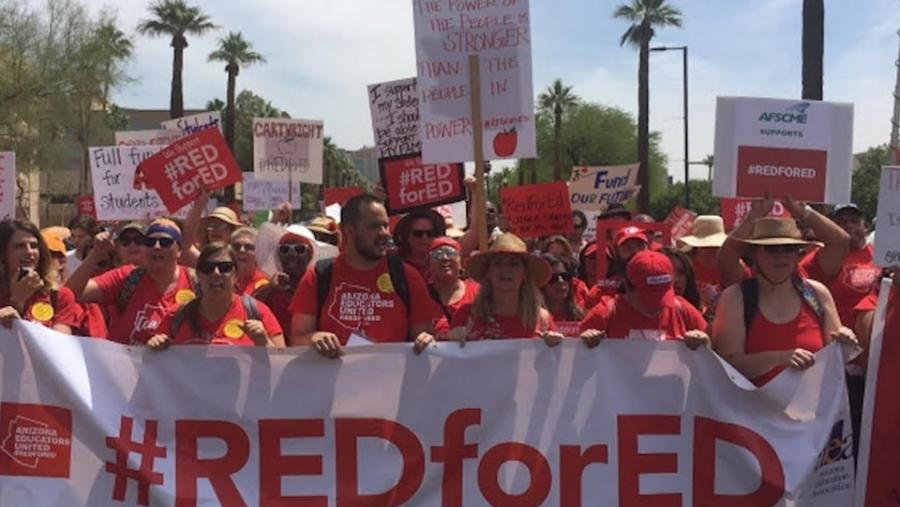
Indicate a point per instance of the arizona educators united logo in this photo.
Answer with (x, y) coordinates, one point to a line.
(35, 440)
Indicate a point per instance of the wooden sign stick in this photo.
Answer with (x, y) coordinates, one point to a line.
(480, 207)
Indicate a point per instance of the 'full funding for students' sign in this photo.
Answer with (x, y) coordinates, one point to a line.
(116, 194)
(537, 210)
(287, 149)
(447, 32)
(792, 148)
(183, 170)
(887, 235)
(194, 123)
(7, 184)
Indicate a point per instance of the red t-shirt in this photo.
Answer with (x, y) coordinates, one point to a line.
(225, 331)
(85, 319)
(620, 320)
(803, 332)
(246, 287)
(581, 292)
(279, 301)
(855, 280)
(502, 327)
(146, 307)
(39, 308)
(365, 303)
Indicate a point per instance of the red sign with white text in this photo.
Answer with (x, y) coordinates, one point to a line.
(35, 440)
(86, 206)
(187, 167)
(782, 172)
(680, 222)
(733, 210)
(410, 183)
(537, 210)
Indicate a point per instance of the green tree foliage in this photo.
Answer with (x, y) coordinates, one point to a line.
(867, 178)
(554, 102)
(702, 200)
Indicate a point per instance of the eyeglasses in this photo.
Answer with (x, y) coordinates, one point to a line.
(444, 252)
(247, 247)
(216, 225)
(422, 233)
(560, 277)
(164, 242)
(292, 248)
(773, 249)
(208, 267)
(130, 240)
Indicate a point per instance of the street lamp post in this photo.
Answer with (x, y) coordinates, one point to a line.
(684, 53)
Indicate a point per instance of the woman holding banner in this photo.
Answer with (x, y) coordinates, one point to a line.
(509, 301)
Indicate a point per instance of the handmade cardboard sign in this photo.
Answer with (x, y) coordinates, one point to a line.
(161, 137)
(499, 33)
(887, 234)
(410, 183)
(537, 210)
(183, 170)
(288, 149)
(792, 148)
(115, 196)
(195, 123)
(395, 117)
(267, 194)
(680, 222)
(595, 188)
(7, 184)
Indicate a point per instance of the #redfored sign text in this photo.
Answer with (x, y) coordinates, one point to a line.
(201, 161)
(411, 184)
(537, 210)
(785, 172)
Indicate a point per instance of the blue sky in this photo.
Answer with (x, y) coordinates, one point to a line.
(321, 56)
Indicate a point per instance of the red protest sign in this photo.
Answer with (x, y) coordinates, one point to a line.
(85, 204)
(733, 210)
(198, 162)
(782, 171)
(537, 210)
(340, 195)
(410, 183)
(680, 222)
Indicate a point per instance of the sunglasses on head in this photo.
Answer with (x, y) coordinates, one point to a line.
(560, 277)
(444, 252)
(248, 247)
(163, 242)
(208, 267)
(130, 240)
(422, 233)
(292, 248)
(781, 248)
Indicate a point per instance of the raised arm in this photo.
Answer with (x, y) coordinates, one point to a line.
(837, 241)
(728, 259)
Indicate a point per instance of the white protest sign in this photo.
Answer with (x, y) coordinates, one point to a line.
(115, 195)
(194, 123)
(447, 32)
(147, 137)
(595, 188)
(285, 148)
(267, 194)
(887, 232)
(784, 147)
(7, 184)
(395, 117)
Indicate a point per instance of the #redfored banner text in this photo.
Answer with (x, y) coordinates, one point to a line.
(410, 183)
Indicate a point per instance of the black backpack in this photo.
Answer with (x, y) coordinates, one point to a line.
(750, 292)
(251, 309)
(134, 278)
(325, 267)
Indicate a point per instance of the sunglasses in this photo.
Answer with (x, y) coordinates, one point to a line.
(772, 249)
(296, 249)
(216, 225)
(246, 247)
(208, 267)
(130, 240)
(560, 277)
(422, 233)
(163, 242)
(444, 252)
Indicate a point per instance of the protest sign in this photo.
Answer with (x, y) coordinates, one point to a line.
(340, 195)
(395, 117)
(792, 148)
(267, 194)
(887, 234)
(287, 149)
(195, 123)
(680, 222)
(147, 137)
(499, 33)
(410, 183)
(115, 196)
(183, 170)
(595, 188)
(86, 206)
(537, 210)
(501, 422)
(7, 184)
(733, 210)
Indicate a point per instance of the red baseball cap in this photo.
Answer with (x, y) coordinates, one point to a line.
(444, 241)
(651, 275)
(631, 232)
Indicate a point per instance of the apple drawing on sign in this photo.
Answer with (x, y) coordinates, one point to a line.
(505, 142)
(287, 146)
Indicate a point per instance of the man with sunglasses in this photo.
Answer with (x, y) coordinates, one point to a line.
(296, 249)
(139, 296)
(130, 244)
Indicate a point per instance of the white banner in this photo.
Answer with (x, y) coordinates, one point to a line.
(194, 123)
(500, 34)
(288, 149)
(147, 137)
(7, 184)
(267, 194)
(502, 423)
(887, 235)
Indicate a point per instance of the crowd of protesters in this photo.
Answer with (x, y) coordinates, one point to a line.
(765, 296)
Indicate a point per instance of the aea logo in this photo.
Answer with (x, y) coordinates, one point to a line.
(838, 448)
(794, 114)
(35, 440)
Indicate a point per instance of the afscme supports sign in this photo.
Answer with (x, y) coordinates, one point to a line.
(498, 423)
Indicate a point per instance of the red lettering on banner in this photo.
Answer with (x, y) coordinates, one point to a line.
(347, 432)
(782, 172)
(273, 465)
(541, 477)
(454, 451)
(571, 469)
(632, 464)
(706, 433)
(189, 467)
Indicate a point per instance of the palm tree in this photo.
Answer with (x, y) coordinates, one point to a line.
(645, 16)
(236, 53)
(813, 47)
(115, 46)
(555, 100)
(176, 18)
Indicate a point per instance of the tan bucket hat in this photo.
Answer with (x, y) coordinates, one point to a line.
(708, 231)
(225, 214)
(777, 231)
(509, 243)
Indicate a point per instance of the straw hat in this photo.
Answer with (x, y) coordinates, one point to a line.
(323, 225)
(776, 231)
(509, 243)
(225, 214)
(708, 232)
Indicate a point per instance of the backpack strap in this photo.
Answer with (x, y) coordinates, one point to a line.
(750, 293)
(251, 309)
(178, 320)
(398, 279)
(324, 268)
(810, 297)
(128, 288)
(54, 300)
(437, 299)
